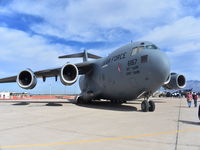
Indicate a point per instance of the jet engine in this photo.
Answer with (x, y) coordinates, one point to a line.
(26, 79)
(177, 81)
(68, 74)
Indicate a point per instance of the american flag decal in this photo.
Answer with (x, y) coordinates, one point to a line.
(119, 68)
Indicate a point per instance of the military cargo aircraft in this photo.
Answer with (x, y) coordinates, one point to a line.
(133, 71)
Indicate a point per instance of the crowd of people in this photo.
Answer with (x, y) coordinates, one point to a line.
(192, 96)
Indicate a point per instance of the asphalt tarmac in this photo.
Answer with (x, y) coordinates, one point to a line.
(99, 126)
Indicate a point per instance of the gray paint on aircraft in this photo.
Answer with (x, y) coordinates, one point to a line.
(123, 76)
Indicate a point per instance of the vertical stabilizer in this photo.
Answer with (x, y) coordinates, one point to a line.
(85, 56)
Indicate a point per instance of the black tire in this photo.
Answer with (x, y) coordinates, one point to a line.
(145, 106)
(79, 100)
(152, 106)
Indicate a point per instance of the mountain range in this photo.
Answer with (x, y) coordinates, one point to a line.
(194, 84)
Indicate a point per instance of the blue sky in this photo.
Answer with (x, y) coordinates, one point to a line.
(34, 33)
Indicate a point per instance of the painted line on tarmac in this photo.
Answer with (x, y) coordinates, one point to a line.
(99, 140)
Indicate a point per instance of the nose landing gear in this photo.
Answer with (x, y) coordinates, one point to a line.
(148, 105)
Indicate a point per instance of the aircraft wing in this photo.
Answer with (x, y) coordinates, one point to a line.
(8, 79)
(83, 68)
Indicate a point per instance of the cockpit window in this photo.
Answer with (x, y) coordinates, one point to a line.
(151, 47)
(134, 51)
(140, 48)
(137, 49)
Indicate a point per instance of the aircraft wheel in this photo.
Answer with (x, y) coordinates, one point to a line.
(152, 106)
(80, 100)
(124, 101)
(145, 106)
(119, 102)
(112, 101)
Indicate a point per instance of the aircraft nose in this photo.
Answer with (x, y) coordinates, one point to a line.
(160, 66)
(156, 68)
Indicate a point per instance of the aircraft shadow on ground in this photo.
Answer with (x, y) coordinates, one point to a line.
(108, 106)
(54, 104)
(189, 122)
(47, 104)
(21, 104)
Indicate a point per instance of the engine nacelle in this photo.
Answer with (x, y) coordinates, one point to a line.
(69, 74)
(26, 79)
(177, 81)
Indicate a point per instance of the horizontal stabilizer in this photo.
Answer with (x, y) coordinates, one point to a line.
(80, 55)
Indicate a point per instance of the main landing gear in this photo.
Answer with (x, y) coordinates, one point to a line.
(148, 105)
(81, 100)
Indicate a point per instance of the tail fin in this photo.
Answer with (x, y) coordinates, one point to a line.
(84, 54)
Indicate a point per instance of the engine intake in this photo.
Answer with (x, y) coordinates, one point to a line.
(177, 81)
(69, 74)
(26, 79)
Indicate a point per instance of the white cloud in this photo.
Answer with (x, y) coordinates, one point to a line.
(179, 36)
(20, 50)
(29, 50)
(90, 20)
(182, 39)
(3, 10)
(169, 24)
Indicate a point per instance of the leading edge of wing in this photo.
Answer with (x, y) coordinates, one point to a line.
(8, 79)
(83, 68)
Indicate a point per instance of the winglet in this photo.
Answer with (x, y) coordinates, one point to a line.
(85, 55)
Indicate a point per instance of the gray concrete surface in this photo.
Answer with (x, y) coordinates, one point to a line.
(99, 126)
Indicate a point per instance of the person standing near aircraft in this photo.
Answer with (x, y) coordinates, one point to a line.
(195, 98)
(189, 99)
(199, 112)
